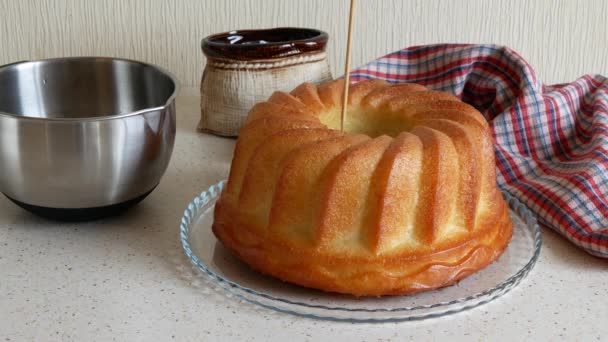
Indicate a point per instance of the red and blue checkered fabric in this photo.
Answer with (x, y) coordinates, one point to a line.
(551, 142)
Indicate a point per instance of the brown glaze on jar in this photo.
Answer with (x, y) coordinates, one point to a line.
(264, 44)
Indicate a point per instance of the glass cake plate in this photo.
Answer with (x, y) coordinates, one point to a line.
(225, 271)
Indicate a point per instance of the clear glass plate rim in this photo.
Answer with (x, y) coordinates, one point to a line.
(194, 208)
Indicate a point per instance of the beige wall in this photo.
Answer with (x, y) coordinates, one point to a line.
(562, 39)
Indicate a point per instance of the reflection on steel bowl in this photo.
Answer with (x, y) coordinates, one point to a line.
(84, 137)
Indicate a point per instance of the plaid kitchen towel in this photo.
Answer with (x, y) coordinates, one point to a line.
(551, 142)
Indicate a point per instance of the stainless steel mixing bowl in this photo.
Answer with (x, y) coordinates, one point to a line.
(84, 137)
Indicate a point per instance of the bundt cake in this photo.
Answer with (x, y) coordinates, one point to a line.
(405, 200)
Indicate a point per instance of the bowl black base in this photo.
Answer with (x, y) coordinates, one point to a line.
(80, 214)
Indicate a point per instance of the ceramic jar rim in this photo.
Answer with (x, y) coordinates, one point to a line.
(281, 42)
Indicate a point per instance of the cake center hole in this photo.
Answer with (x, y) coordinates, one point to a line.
(370, 122)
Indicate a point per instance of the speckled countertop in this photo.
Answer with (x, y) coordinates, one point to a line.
(126, 278)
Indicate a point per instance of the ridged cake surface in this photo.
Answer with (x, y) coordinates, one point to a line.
(404, 200)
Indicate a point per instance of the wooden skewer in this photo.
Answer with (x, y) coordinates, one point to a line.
(347, 65)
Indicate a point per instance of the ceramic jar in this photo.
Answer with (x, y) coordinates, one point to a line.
(245, 67)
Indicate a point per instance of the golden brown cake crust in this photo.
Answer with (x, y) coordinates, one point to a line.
(364, 214)
(376, 276)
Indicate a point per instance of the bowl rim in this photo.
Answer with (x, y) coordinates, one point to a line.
(168, 102)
